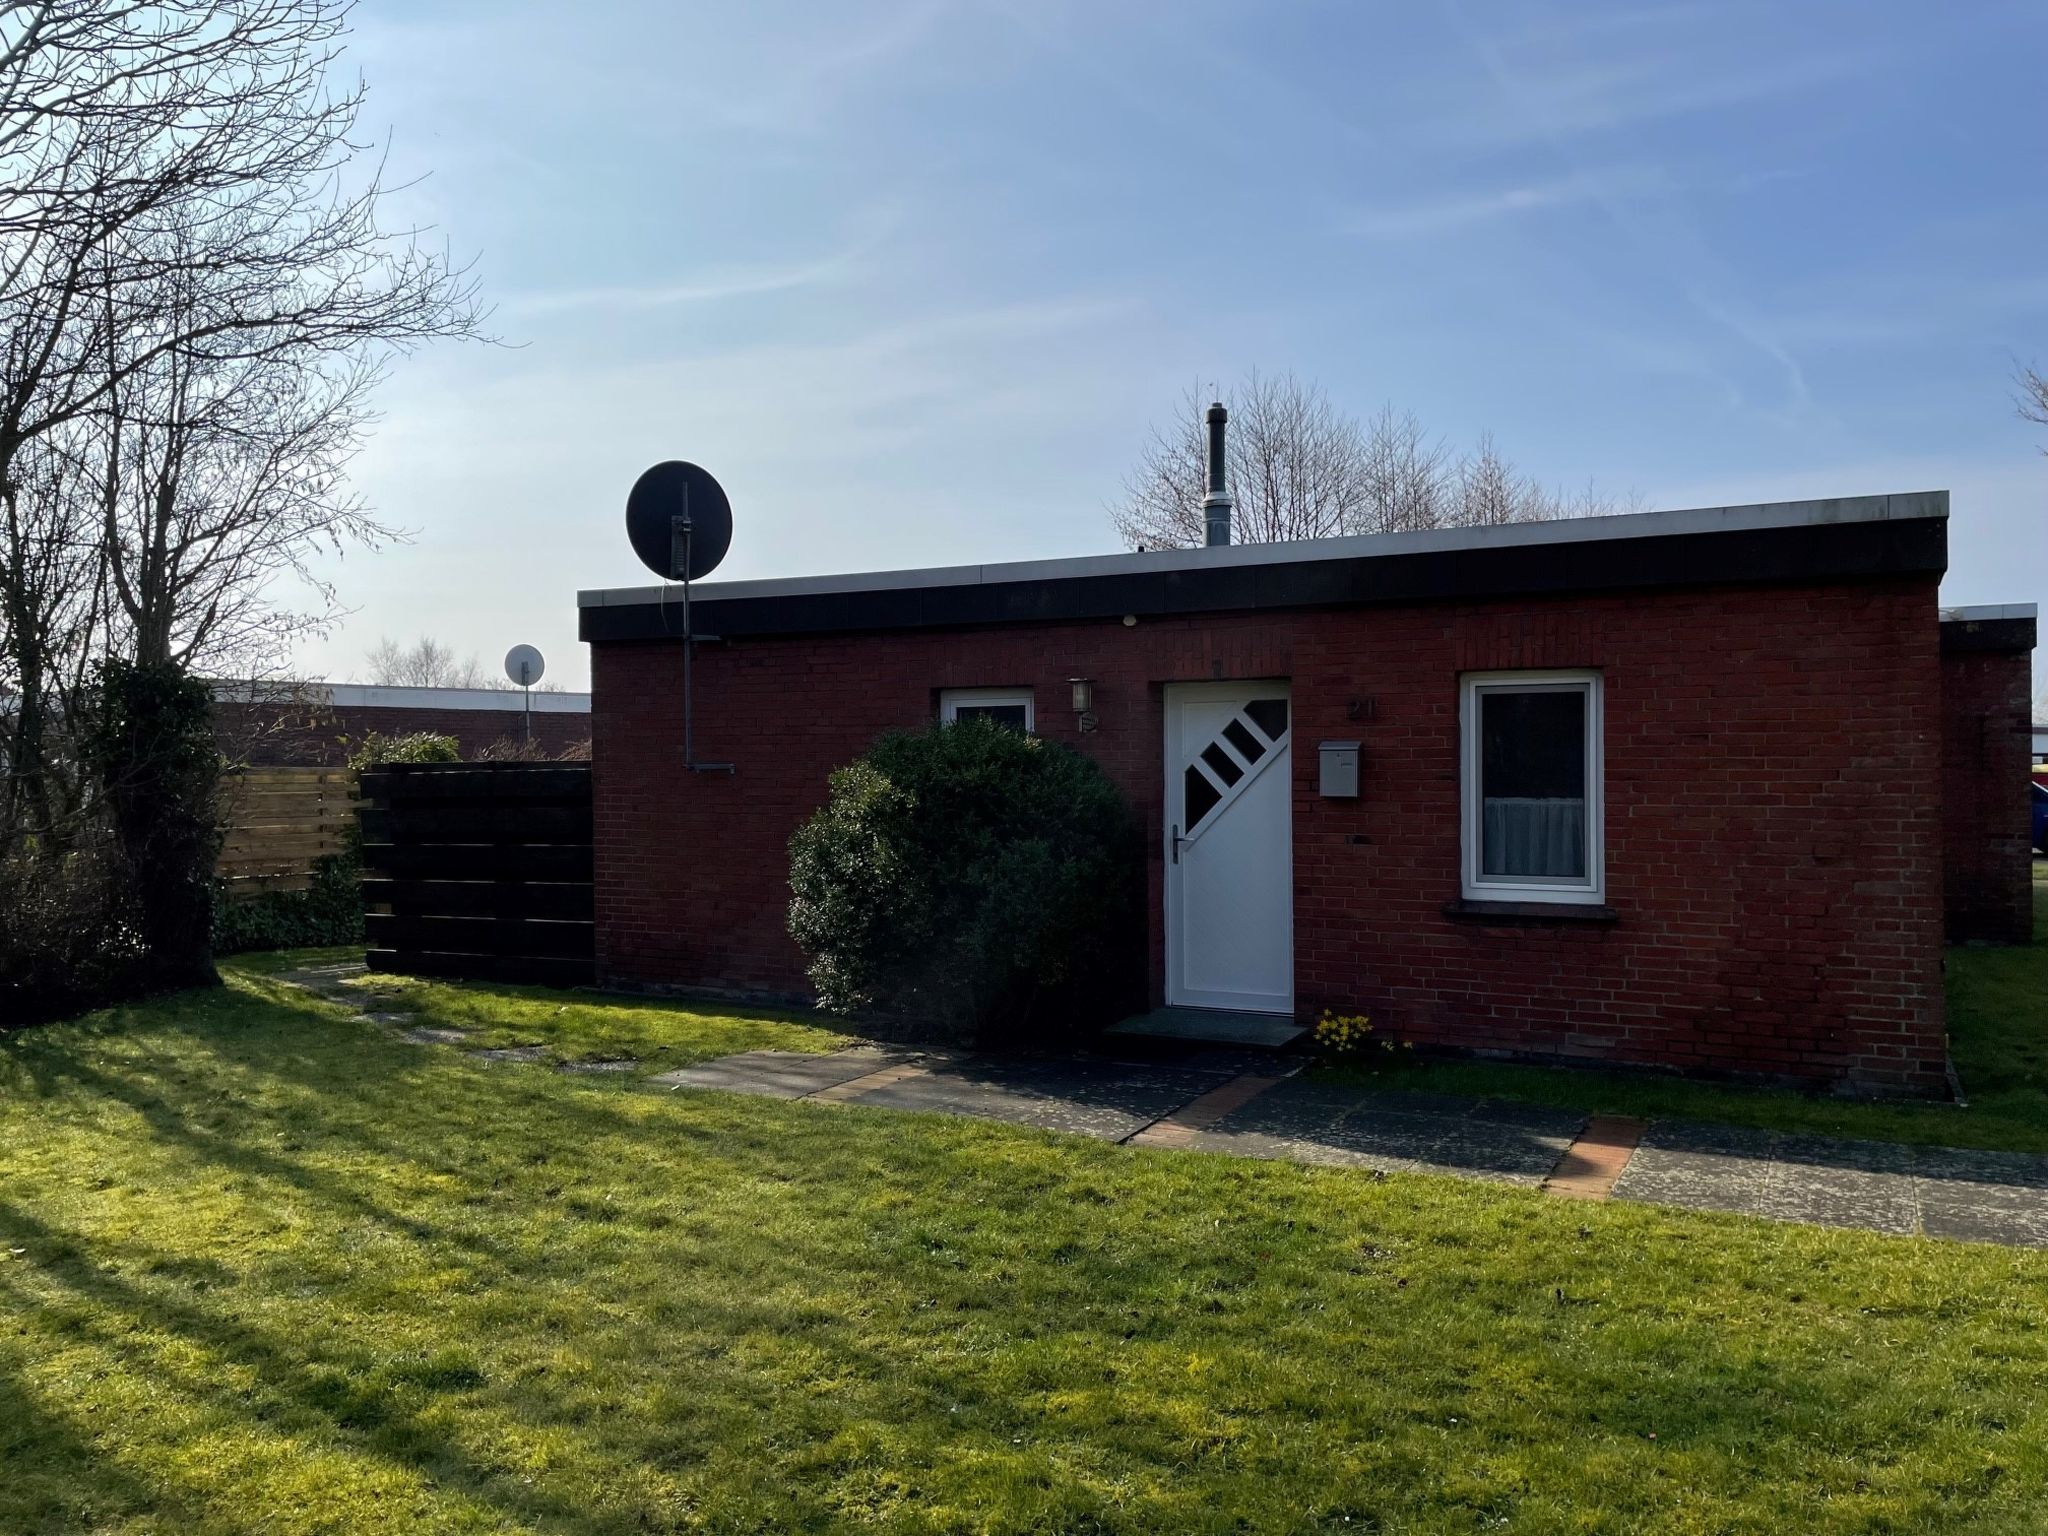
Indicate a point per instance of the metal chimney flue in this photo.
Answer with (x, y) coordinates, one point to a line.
(1216, 503)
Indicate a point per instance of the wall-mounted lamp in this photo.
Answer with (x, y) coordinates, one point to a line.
(1083, 699)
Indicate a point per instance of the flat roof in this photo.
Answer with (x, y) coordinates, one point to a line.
(1768, 541)
(399, 696)
(2005, 627)
(1988, 613)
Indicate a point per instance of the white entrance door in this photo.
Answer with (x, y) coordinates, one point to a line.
(1229, 847)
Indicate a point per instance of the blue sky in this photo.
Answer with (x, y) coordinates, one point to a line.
(914, 279)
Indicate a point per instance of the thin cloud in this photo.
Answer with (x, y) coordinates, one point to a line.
(718, 284)
(805, 92)
(1449, 215)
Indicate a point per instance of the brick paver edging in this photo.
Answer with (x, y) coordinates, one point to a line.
(853, 1088)
(1180, 1128)
(1592, 1163)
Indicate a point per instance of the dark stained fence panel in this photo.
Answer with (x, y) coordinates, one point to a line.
(476, 861)
(480, 871)
(473, 784)
(500, 822)
(549, 940)
(482, 898)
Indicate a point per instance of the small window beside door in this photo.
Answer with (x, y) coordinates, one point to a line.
(1004, 706)
(1532, 787)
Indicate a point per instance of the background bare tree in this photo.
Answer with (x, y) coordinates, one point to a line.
(1299, 468)
(427, 663)
(198, 295)
(2033, 399)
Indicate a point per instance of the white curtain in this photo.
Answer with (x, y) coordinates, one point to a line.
(1535, 838)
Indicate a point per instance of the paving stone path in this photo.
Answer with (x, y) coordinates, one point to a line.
(1991, 1197)
(1996, 1197)
(1226, 1103)
(335, 984)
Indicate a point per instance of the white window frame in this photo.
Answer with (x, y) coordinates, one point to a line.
(1592, 891)
(950, 700)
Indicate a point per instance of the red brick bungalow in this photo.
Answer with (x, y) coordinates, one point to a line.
(1669, 789)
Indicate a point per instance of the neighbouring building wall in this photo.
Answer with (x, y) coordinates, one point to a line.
(1773, 811)
(324, 722)
(1986, 679)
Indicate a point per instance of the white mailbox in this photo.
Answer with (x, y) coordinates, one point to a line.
(1340, 770)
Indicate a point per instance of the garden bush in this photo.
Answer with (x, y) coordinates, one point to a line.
(148, 738)
(972, 875)
(418, 747)
(328, 912)
(69, 935)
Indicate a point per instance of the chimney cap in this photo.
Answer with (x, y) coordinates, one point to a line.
(1216, 411)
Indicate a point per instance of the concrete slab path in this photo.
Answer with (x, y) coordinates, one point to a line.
(1995, 1197)
(1228, 1102)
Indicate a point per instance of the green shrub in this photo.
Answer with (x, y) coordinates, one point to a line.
(418, 747)
(328, 912)
(69, 934)
(148, 738)
(973, 875)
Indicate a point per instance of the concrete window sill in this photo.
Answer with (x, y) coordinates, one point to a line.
(1529, 912)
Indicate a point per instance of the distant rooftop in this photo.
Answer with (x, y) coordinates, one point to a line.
(395, 696)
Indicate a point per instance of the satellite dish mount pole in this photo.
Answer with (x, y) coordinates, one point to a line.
(680, 523)
(680, 529)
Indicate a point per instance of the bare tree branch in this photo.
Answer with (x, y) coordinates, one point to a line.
(198, 297)
(427, 663)
(1301, 469)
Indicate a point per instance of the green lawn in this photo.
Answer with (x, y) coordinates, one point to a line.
(571, 1026)
(1998, 1033)
(263, 1269)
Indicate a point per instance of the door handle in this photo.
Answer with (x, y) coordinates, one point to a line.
(1177, 841)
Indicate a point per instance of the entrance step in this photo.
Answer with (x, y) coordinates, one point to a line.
(1212, 1026)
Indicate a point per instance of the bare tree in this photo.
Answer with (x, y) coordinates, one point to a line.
(197, 295)
(52, 605)
(195, 269)
(2033, 401)
(426, 663)
(1301, 469)
(1408, 477)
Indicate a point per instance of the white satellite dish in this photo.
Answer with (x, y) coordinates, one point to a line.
(523, 664)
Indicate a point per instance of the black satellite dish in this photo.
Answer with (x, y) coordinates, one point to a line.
(680, 525)
(679, 521)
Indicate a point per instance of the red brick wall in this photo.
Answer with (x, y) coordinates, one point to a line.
(1987, 853)
(271, 734)
(1773, 814)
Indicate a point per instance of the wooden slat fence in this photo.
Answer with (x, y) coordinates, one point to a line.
(279, 822)
(480, 871)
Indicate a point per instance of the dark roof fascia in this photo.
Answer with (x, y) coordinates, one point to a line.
(2005, 636)
(1803, 553)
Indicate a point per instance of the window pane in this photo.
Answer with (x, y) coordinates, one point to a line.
(1199, 794)
(1533, 784)
(1245, 742)
(1220, 760)
(1269, 715)
(1002, 714)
